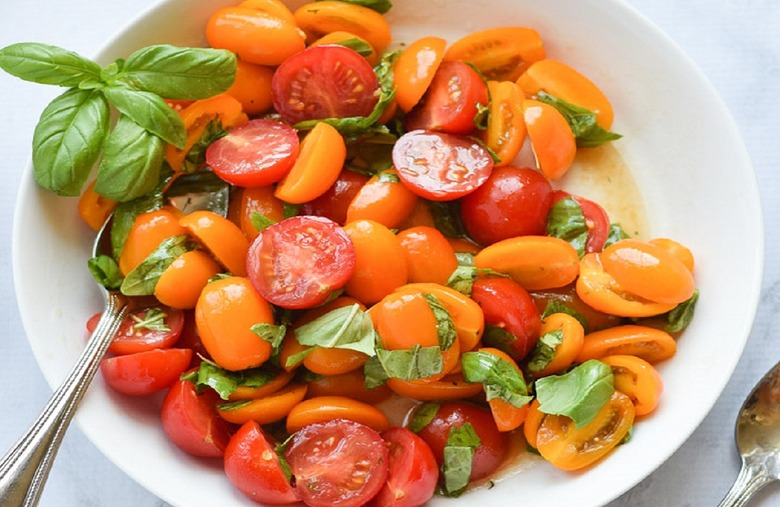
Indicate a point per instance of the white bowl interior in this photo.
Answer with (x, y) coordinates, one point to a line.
(681, 146)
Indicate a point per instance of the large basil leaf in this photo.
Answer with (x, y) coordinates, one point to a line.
(149, 111)
(45, 64)
(500, 378)
(348, 327)
(578, 394)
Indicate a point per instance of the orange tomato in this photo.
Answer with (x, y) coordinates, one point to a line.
(258, 200)
(429, 256)
(181, 283)
(450, 387)
(420, 215)
(221, 237)
(224, 314)
(251, 393)
(506, 129)
(384, 199)
(326, 408)
(499, 53)
(319, 18)
(566, 352)
(637, 379)
(414, 69)
(551, 138)
(275, 8)
(334, 361)
(461, 245)
(252, 87)
(533, 420)
(507, 416)
(651, 344)
(340, 37)
(320, 158)
(380, 264)
(146, 234)
(350, 385)
(678, 250)
(95, 209)
(567, 296)
(274, 407)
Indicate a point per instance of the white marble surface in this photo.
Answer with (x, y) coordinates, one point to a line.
(735, 42)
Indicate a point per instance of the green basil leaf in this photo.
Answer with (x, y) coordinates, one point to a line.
(202, 190)
(679, 318)
(555, 306)
(180, 73)
(153, 320)
(423, 415)
(445, 327)
(462, 279)
(500, 378)
(446, 218)
(388, 177)
(348, 327)
(370, 155)
(226, 382)
(126, 212)
(45, 64)
(499, 338)
(578, 394)
(544, 351)
(273, 334)
(261, 222)
(291, 210)
(381, 6)
(458, 458)
(106, 271)
(482, 117)
(616, 233)
(68, 139)
(410, 364)
(374, 374)
(587, 132)
(142, 280)
(281, 455)
(131, 163)
(149, 111)
(567, 222)
(196, 156)
(359, 46)
(464, 258)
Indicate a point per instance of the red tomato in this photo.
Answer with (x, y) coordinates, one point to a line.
(338, 462)
(450, 104)
(440, 166)
(334, 203)
(596, 220)
(191, 422)
(132, 338)
(507, 305)
(494, 444)
(412, 471)
(328, 81)
(512, 202)
(255, 154)
(145, 373)
(298, 262)
(252, 466)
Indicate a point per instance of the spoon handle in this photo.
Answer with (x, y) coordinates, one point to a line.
(751, 478)
(25, 468)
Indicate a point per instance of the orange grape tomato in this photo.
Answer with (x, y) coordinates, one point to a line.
(268, 409)
(320, 159)
(384, 199)
(380, 263)
(335, 201)
(252, 87)
(678, 250)
(275, 384)
(414, 69)
(350, 385)
(568, 297)
(221, 237)
(224, 315)
(275, 8)
(256, 36)
(601, 291)
(637, 379)
(327, 408)
(462, 245)
(420, 215)
(506, 129)
(499, 53)
(334, 361)
(258, 200)
(429, 256)
(551, 137)
(95, 209)
(533, 420)
(651, 344)
(146, 234)
(535, 262)
(573, 336)
(450, 387)
(568, 447)
(319, 18)
(563, 82)
(340, 37)
(405, 319)
(181, 283)
(507, 416)
(290, 347)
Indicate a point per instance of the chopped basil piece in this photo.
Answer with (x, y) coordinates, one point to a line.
(587, 132)
(567, 222)
(374, 374)
(196, 156)
(447, 219)
(500, 378)
(106, 271)
(679, 318)
(348, 327)
(201, 190)
(464, 258)
(578, 394)
(423, 415)
(410, 364)
(381, 6)
(462, 279)
(261, 222)
(458, 458)
(359, 46)
(388, 177)
(272, 333)
(616, 233)
(445, 327)
(291, 210)
(225, 382)
(499, 338)
(544, 351)
(558, 307)
(142, 280)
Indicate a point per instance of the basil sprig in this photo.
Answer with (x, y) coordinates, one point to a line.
(74, 129)
(578, 394)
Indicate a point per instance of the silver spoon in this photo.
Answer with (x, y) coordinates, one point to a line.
(758, 440)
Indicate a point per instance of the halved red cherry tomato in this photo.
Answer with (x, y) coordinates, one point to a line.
(440, 166)
(190, 421)
(513, 202)
(255, 154)
(596, 220)
(252, 466)
(338, 462)
(450, 104)
(412, 471)
(145, 373)
(328, 81)
(133, 336)
(298, 262)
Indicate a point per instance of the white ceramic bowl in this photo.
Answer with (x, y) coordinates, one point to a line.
(684, 154)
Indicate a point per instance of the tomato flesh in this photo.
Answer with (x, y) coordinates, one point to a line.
(338, 462)
(132, 338)
(328, 81)
(412, 470)
(299, 261)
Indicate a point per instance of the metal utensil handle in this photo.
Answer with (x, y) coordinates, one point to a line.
(751, 478)
(25, 468)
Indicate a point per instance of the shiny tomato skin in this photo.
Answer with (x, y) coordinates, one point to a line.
(507, 305)
(255, 154)
(450, 104)
(129, 339)
(440, 166)
(145, 373)
(298, 262)
(412, 470)
(513, 202)
(494, 444)
(328, 81)
(191, 422)
(252, 466)
(596, 219)
(334, 203)
(338, 462)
